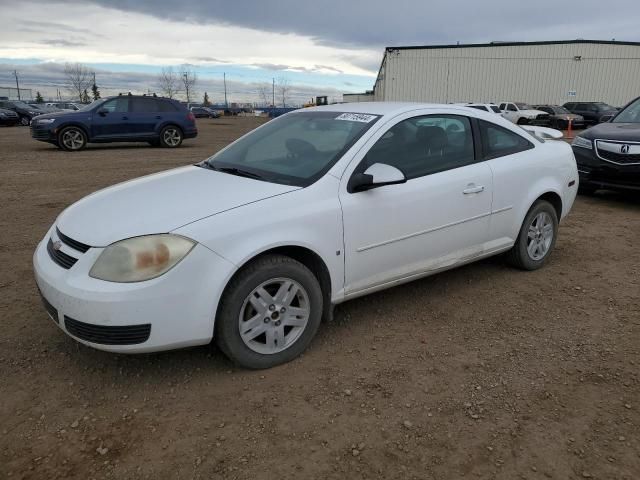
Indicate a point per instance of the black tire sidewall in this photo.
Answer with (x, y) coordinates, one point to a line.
(61, 145)
(227, 334)
(527, 262)
(166, 145)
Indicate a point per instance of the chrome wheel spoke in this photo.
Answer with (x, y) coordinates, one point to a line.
(286, 293)
(531, 248)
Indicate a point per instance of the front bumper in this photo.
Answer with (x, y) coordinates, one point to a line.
(599, 173)
(42, 132)
(172, 311)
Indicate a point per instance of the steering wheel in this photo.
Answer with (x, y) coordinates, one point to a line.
(300, 148)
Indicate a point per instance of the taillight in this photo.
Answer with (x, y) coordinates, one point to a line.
(191, 117)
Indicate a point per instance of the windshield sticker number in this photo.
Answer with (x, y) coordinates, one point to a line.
(356, 117)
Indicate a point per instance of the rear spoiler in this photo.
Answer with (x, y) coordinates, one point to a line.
(543, 133)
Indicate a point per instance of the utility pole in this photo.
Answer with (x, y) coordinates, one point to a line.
(15, 73)
(224, 79)
(94, 78)
(273, 92)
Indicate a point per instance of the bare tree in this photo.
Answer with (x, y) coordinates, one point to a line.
(264, 93)
(168, 81)
(283, 87)
(188, 77)
(79, 79)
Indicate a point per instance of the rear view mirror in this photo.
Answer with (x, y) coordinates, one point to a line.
(377, 175)
(103, 111)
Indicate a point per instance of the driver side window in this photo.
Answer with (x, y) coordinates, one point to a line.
(424, 145)
(119, 105)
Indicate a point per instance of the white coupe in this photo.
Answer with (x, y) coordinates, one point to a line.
(254, 246)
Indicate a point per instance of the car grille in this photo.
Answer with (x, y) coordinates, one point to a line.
(108, 335)
(61, 258)
(81, 247)
(39, 133)
(603, 149)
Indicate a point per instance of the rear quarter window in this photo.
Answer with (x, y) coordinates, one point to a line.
(166, 106)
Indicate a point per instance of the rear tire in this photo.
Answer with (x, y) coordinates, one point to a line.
(171, 136)
(269, 312)
(537, 237)
(522, 121)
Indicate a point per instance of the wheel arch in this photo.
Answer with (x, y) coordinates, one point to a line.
(169, 123)
(554, 199)
(303, 254)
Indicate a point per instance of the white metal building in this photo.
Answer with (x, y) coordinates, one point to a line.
(535, 72)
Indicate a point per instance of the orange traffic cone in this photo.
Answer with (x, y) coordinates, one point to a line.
(569, 133)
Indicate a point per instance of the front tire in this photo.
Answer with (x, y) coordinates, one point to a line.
(72, 139)
(269, 312)
(537, 237)
(171, 136)
(25, 121)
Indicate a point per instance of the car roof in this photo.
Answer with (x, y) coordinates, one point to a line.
(380, 108)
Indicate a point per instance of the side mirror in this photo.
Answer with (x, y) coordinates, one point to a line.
(102, 112)
(606, 118)
(377, 175)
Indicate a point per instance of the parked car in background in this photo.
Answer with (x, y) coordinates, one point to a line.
(592, 112)
(25, 112)
(254, 246)
(125, 118)
(485, 107)
(523, 114)
(559, 117)
(608, 154)
(43, 108)
(203, 112)
(8, 118)
(65, 105)
(214, 113)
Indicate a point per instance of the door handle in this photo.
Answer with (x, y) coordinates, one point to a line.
(158, 117)
(125, 118)
(472, 188)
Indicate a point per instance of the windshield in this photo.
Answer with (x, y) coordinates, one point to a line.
(90, 106)
(631, 114)
(524, 106)
(295, 149)
(560, 110)
(495, 109)
(20, 104)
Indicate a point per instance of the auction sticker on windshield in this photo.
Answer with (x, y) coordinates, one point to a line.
(356, 117)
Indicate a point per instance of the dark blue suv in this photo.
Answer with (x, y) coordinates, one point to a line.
(125, 118)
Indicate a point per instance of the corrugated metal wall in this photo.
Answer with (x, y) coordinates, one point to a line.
(357, 97)
(529, 73)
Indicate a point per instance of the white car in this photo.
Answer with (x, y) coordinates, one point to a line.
(523, 114)
(254, 246)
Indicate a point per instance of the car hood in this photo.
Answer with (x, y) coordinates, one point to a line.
(532, 112)
(57, 114)
(160, 203)
(626, 132)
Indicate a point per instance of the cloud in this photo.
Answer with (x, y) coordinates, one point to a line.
(61, 42)
(378, 23)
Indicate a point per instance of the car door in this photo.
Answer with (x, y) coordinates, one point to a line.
(111, 119)
(512, 159)
(144, 113)
(438, 218)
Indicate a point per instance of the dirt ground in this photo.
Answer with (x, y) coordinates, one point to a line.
(481, 372)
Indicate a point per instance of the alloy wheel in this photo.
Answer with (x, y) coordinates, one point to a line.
(73, 139)
(171, 137)
(274, 315)
(540, 236)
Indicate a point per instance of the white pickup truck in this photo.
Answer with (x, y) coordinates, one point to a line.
(523, 114)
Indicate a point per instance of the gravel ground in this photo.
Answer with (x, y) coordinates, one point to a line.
(480, 372)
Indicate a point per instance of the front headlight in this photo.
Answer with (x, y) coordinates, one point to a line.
(45, 121)
(582, 142)
(140, 258)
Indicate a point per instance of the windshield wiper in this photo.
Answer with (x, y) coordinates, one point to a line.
(237, 171)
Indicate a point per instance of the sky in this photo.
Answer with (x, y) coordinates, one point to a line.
(326, 47)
